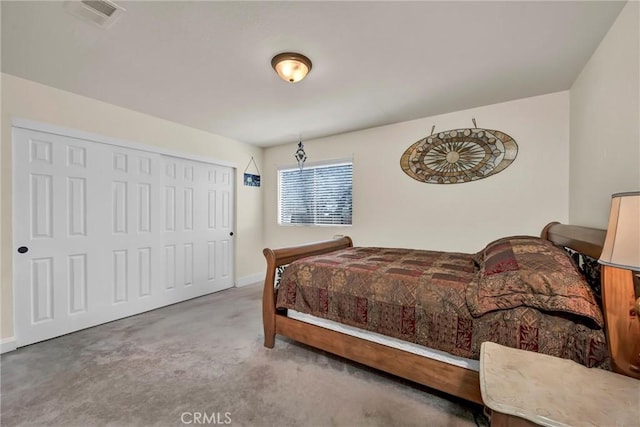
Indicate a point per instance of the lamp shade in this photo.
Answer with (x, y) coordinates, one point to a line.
(291, 67)
(622, 244)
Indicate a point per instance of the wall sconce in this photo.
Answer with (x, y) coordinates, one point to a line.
(291, 67)
(620, 261)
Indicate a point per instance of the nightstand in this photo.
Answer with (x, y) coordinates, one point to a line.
(524, 388)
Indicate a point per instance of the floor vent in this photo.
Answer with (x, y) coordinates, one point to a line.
(100, 12)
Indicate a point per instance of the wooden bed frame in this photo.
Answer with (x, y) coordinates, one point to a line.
(461, 382)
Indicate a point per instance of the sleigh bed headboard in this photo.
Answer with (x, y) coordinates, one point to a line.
(621, 319)
(588, 241)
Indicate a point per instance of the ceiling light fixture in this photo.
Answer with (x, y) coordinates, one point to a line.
(291, 67)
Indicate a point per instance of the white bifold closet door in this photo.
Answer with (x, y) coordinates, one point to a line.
(104, 231)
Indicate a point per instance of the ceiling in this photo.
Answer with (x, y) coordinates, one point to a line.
(207, 64)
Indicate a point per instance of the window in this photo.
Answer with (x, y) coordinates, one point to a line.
(317, 195)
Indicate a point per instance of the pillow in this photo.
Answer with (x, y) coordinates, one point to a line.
(479, 257)
(529, 271)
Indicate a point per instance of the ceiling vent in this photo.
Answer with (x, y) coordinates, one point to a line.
(99, 12)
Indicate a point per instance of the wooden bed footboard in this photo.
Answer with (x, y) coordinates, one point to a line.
(278, 257)
(458, 381)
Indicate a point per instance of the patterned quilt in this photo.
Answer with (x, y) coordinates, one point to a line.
(419, 296)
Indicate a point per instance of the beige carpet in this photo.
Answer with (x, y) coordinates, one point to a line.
(202, 362)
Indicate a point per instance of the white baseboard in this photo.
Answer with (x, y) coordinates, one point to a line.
(249, 280)
(8, 344)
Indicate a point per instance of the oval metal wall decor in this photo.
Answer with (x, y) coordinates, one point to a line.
(459, 155)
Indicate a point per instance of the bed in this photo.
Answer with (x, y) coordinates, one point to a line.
(446, 303)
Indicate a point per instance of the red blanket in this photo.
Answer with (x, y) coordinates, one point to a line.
(419, 296)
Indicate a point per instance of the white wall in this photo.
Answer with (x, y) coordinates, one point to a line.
(605, 123)
(29, 100)
(392, 209)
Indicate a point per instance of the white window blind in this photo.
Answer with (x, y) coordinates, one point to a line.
(317, 195)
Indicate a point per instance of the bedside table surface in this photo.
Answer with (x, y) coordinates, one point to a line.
(555, 392)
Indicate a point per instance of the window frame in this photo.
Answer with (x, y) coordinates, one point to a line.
(320, 164)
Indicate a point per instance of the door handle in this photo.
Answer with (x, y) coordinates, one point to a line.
(23, 249)
(231, 233)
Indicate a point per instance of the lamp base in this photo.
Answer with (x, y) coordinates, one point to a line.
(622, 312)
(636, 288)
